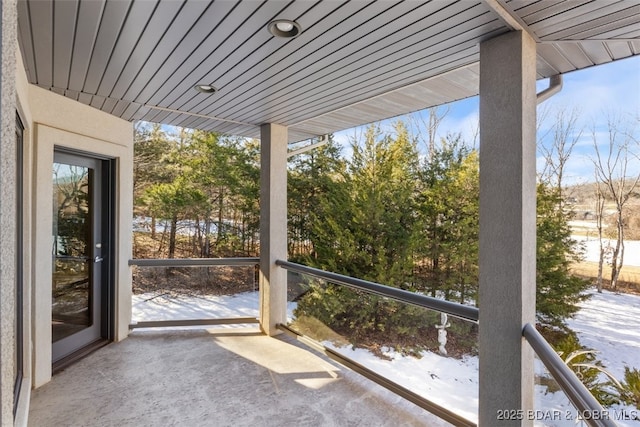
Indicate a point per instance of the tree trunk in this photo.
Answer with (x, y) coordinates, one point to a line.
(618, 254)
(600, 264)
(172, 236)
(599, 219)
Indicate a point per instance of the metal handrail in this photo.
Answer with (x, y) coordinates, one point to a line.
(434, 408)
(193, 262)
(465, 312)
(588, 407)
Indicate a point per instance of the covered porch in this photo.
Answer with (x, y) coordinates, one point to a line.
(222, 377)
(77, 74)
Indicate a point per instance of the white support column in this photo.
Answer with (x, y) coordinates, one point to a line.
(507, 226)
(273, 226)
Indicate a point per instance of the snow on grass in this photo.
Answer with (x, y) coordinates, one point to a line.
(592, 247)
(608, 323)
(167, 306)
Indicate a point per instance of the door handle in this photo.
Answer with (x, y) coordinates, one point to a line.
(98, 259)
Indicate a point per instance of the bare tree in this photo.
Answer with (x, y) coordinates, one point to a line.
(611, 169)
(564, 135)
(425, 130)
(599, 208)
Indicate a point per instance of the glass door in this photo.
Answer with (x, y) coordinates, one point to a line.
(77, 253)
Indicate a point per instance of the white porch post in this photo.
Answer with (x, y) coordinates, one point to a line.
(507, 226)
(273, 226)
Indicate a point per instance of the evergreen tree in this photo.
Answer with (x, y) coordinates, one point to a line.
(447, 258)
(558, 293)
(379, 221)
(314, 177)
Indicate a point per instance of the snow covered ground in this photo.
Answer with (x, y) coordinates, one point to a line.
(608, 323)
(592, 246)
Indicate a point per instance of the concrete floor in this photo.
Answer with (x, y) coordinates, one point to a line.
(221, 377)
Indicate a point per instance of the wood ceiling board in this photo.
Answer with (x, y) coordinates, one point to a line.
(574, 51)
(301, 59)
(87, 24)
(98, 101)
(596, 51)
(365, 85)
(63, 37)
(434, 36)
(351, 111)
(573, 17)
(72, 94)
(25, 40)
(85, 98)
(297, 135)
(41, 33)
(232, 58)
(135, 25)
(192, 122)
(174, 56)
(385, 82)
(142, 112)
(589, 24)
(231, 32)
(109, 105)
(526, 7)
(336, 120)
(109, 30)
(285, 55)
(607, 31)
(130, 113)
(547, 11)
(154, 47)
(120, 108)
(619, 49)
(259, 53)
(156, 116)
(555, 58)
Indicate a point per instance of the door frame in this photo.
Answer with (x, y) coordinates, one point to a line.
(19, 314)
(117, 149)
(94, 336)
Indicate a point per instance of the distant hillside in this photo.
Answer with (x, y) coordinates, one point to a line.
(586, 193)
(582, 199)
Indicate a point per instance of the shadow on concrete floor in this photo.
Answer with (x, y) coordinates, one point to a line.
(216, 377)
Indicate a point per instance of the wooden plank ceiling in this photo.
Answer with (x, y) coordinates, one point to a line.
(355, 62)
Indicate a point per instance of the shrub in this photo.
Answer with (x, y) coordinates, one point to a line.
(629, 390)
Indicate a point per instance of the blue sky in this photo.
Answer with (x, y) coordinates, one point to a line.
(594, 93)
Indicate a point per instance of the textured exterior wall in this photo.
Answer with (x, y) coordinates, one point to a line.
(7, 209)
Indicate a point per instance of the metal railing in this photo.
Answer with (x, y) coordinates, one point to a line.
(467, 313)
(194, 262)
(589, 409)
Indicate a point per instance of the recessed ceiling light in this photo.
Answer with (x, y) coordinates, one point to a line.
(205, 88)
(284, 28)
